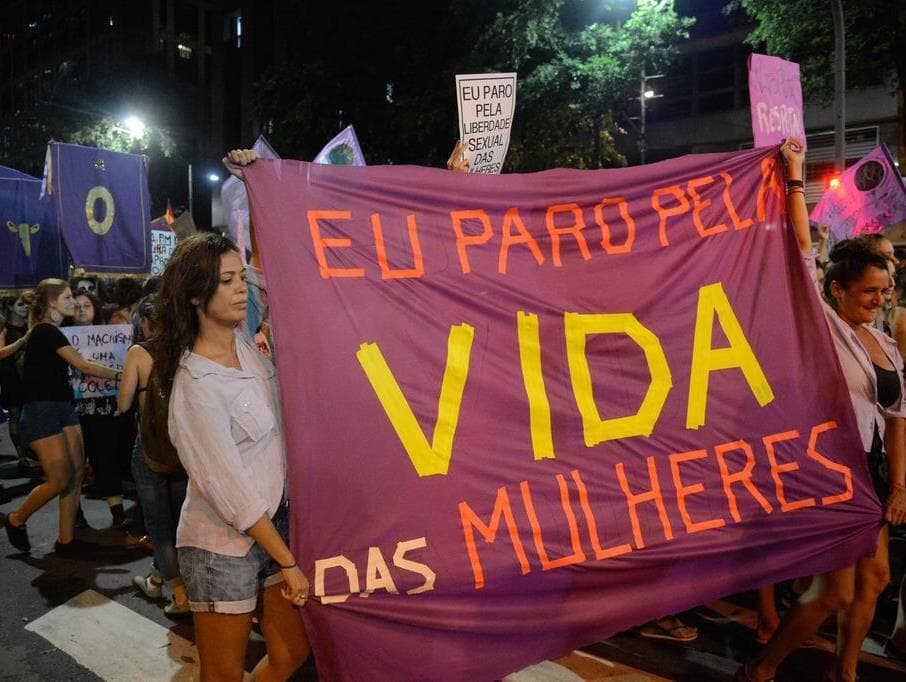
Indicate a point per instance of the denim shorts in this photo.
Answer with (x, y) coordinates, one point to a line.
(44, 418)
(217, 583)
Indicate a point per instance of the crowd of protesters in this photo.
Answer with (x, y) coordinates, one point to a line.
(197, 424)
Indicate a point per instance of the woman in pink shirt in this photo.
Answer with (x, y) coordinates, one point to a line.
(224, 420)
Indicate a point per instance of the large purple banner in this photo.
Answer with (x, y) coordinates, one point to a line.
(103, 208)
(524, 412)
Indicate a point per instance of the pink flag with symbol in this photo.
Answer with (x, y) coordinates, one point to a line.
(870, 197)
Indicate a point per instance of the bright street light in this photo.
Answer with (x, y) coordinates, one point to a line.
(135, 126)
(213, 177)
(645, 93)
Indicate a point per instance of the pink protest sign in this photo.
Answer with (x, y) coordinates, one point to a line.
(776, 98)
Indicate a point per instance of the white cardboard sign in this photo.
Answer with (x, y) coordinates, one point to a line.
(105, 344)
(486, 104)
(162, 244)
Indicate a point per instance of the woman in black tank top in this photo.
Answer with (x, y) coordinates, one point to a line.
(857, 285)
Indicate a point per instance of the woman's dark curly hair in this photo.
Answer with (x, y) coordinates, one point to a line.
(144, 311)
(127, 292)
(99, 316)
(849, 260)
(193, 272)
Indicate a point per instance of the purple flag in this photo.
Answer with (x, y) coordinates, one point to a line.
(30, 244)
(236, 212)
(870, 197)
(7, 173)
(525, 412)
(775, 93)
(342, 150)
(103, 208)
(235, 200)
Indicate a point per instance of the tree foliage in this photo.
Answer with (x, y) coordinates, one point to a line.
(580, 83)
(107, 133)
(803, 31)
(579, 63)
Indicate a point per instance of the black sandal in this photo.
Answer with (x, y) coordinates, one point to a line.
(891, 650)
(18, 535)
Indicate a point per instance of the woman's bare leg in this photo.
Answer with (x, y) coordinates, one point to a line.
(284, 634)
(768, 618)
(828, 594)
(69, 498)
(57, 466)
(222, 639)
(853, 623)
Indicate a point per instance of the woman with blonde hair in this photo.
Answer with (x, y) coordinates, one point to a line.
(48, 424)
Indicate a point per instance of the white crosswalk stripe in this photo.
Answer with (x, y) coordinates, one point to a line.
(116, 643)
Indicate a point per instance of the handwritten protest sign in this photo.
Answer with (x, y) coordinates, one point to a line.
(105, 344)
(525, 412)
(775, 93)
(486, 104)
(162, 244)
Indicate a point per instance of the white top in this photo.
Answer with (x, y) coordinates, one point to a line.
(858, 371)
(226, 426)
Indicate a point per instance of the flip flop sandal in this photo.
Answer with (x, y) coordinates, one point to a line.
(676, 633)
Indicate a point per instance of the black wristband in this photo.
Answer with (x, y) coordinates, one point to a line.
(794, 183)
(286, 568)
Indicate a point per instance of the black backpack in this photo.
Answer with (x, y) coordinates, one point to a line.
(160, 455)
